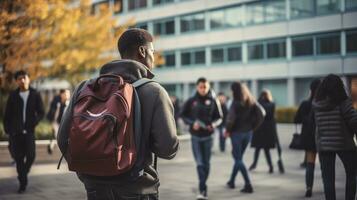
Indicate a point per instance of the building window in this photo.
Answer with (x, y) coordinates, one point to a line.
(265, 11)
(217, 55)
(328, 44)
(255, 51)
(255, 13)
(166, 27)
(194, 57)
(169, 59)
(192, 23)
(234, 54)
(327, 6)
(351, 4)
(137, 4)
(158, 2)
(276, 49)
(233, 16)
(302, 8)
(118, 6)
(351, 42)
(186, 58)
(302, 46)
(274, 11)
(217, 19)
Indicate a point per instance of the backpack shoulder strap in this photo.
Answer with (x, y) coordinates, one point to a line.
(137, 122)
(142, 82)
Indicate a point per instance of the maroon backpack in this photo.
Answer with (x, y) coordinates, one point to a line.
(105, 132)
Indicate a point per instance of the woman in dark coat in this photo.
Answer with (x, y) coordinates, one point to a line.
(304, 116)
(265, 136)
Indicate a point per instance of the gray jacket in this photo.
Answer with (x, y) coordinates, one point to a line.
(158, 126)
(335, 125)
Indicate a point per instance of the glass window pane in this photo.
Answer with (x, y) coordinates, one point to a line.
(141, 3)
(185, 24)
(157, 28)
(217, 19)
(186, 58)
(234, 54)
(198, 22)
(328, 44)
(275, 11)
(327, 6)
(142, 26)
(217, 55)
(255, 51)
(170, 60)
(351, 4)
(233, 16)
(131, 5)
(155, 2)
(301, 8)
(302, 47)
(351, 40)
(200, 57)
(276, 49)
(170, 27)
(255, 13)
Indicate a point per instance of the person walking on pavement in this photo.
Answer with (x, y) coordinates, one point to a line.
(336, 126)
(157, 123)
(23, 111)
(54, 115)
(265, 136)
(202, 113)
(244, 116)
(222, 139)
(304, 116)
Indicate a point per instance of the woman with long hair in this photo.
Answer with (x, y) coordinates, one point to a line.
(304, 116)
(336, 124)
(244, 116)
(265, 136)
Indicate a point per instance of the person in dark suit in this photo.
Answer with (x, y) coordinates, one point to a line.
(265, 136)
(23, 111)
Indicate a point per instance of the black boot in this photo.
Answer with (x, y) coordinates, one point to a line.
(247, 189)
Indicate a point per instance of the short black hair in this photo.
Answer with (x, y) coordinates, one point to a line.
(201, 80)
(132, 39)
(20, 73)
(62, 91)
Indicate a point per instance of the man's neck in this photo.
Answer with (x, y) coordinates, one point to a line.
(24, 89)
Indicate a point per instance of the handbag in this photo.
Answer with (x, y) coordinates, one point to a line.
(296, 142)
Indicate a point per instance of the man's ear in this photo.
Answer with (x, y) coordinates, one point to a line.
(142, 51)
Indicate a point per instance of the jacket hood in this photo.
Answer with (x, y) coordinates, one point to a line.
(325, 104)
(130, 70)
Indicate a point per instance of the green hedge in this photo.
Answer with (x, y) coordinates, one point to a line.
(285, 114)
(43, 131)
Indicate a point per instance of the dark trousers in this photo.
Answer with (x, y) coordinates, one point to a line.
(222, 139)
(201, 148)
(267, 156)
(109, 192)
(23, 148)
(240, 142)
(327, 160)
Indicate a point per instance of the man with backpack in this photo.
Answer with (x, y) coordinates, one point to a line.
(134, 115)
(202, 113)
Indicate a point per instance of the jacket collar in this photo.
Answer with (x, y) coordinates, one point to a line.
(130, 70)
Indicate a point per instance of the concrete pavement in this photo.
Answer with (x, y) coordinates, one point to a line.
(179, 179)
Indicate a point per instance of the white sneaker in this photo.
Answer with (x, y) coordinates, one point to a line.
(201, 197)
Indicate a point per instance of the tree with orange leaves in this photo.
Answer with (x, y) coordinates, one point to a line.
(54, 38)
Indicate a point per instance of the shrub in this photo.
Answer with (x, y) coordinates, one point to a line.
(43, 131)
(285, 114)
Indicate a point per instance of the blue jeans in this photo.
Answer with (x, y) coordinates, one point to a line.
(201, 148)
(327, 161)
(240, 142)
(222, 139)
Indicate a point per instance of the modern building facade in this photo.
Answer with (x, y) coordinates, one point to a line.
(280, 45)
